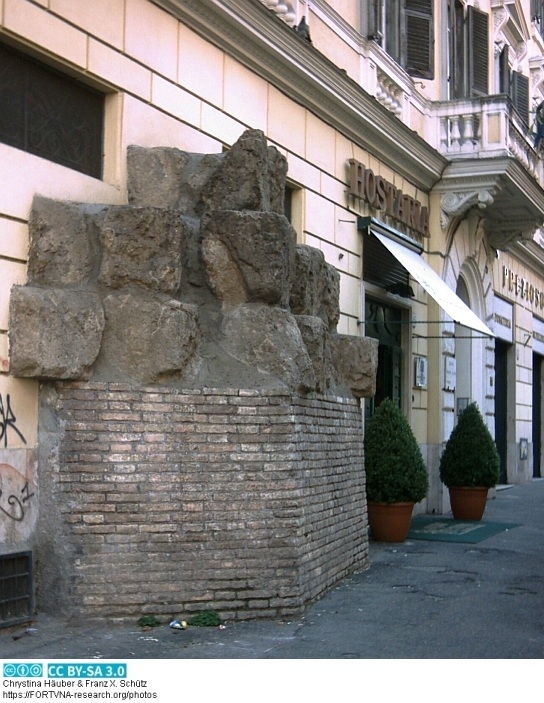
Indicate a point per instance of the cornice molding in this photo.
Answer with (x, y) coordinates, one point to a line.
(249, 32)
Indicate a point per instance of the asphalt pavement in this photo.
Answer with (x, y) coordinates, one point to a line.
(419, 599)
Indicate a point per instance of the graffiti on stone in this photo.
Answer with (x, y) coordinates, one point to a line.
(18, 501)
(8, 421)
(13, 505)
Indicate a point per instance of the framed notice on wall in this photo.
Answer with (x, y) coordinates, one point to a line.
(420, 372)
(450, 368)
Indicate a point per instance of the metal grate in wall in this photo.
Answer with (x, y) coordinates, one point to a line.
(16, 588)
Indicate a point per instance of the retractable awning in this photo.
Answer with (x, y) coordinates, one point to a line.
(434, 285)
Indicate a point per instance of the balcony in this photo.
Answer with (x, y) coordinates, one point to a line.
(492, 165)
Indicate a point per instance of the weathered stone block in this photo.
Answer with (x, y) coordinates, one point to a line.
(251, 176)
(355, 361)
(63, 247)
(147, 339)
(248, 256)
(54, 333)
(142, 246)
(315, 287)
(169, 178)
(269, 339)
(315, 336)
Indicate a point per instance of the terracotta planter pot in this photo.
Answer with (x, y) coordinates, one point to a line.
(468, 503)
(389, 522)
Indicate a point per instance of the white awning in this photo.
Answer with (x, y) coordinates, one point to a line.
(434, 285)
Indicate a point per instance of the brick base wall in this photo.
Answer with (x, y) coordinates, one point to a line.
(168, 502)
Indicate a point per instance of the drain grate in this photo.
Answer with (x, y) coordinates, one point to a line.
(16, 591)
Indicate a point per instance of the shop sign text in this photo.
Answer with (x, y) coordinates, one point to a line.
(384, 196)
(521, 287)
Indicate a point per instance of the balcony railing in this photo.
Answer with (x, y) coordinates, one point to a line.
(483, 128)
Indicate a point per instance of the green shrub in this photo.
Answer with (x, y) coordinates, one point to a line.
(206, 618)
(470, 457)
(395, 469)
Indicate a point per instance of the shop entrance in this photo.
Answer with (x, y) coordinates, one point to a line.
(384, 323)
(501, 405)
(537, 415)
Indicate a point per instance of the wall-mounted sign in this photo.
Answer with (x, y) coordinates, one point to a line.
(523, 448)
(522, 288)
(450, 368)
(420, 372)
(503, 319)
(384, 196)
(538, 336)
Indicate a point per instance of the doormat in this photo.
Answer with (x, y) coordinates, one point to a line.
(450, 530)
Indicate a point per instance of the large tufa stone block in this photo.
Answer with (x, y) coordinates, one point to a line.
(54, 333)
(64, 246)
(315, 337)
(248, 256)
(251, 176)
(143, 246)
(355, 362)
(146, 339)
(269, 339)
(169, 178)
(315, 288)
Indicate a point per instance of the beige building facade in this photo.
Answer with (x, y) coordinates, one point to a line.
(411, 157)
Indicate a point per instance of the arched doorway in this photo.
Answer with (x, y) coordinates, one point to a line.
(464, 392)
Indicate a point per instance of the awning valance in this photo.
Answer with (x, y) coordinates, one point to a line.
(449, 301)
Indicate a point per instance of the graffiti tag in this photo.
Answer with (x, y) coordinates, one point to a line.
(16, 509)
(8, 421)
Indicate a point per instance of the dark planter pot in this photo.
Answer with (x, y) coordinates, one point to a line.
(468, 503)
(389, 522)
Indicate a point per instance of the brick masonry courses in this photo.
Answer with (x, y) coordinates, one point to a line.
(167, 501)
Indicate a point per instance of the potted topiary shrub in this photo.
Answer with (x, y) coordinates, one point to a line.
(396, 475)
(469, 465)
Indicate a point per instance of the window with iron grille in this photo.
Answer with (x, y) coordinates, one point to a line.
(16, 589)
(49, 114)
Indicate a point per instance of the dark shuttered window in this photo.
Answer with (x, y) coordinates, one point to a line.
(520, 95)
(49, 114)
(468, 41)
(478, 53)
(515, 85)
(405, 29)
(418, 15)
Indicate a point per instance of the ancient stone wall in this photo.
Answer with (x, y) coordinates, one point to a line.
(199, 439)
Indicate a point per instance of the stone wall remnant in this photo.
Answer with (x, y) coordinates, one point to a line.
(142, 246)
(177, 271)
(196, 410)
(258, 245)
(62, 332)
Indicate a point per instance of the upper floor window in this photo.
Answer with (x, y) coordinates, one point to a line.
(468, 51)
(405, 30)
(537, 15)
(49, 114)
(514, 84)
